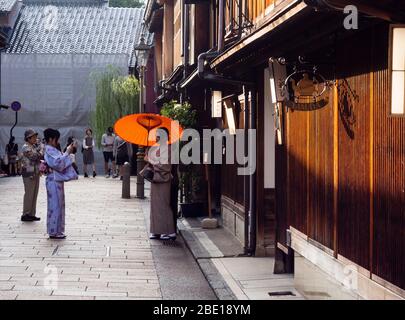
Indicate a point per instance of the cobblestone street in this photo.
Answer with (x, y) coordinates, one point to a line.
(107, 253)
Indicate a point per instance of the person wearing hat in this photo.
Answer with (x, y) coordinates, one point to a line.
(32, 154)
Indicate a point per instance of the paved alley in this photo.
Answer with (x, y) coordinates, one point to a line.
(107, 254)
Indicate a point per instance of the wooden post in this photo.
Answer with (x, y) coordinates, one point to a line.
(126, 181)
(207, 175)
(210, 222)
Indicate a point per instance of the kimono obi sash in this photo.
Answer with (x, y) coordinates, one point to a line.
(66, 175)
(60, 165)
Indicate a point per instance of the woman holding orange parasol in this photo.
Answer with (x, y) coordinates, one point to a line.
(162, 225)
(156, 133)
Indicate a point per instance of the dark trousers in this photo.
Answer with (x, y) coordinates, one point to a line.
(31, 188)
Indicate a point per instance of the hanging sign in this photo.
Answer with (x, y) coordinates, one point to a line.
(307, 90)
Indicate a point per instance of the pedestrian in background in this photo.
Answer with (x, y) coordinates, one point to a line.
(60, 170)
(12, 154)
(2, 166)
(88, 152)
(72, 141)
(122, 152)
(107, 142)
(31, 159)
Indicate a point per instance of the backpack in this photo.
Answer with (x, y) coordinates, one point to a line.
(122, 150)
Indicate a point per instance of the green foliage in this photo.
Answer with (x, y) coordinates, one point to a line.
(190, 178)
(183, 113)
(191, 181)
(126, 3)
(116, 96)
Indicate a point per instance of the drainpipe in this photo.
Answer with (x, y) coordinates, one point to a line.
(240, 28)
(221, 25)
(246, 185)
(186, 37)
(185, 44)
(220, 41)
(250, 122)
(252, 181)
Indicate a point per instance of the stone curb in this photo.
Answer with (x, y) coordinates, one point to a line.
(203, 258)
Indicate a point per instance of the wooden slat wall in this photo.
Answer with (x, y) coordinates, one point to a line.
(177, 49)
(297, 124)
(158, 55)
(256, 8)
(320, 175)
(232, 183)
(371, 164)
(354, 160)
(389, 175)
(167, 39)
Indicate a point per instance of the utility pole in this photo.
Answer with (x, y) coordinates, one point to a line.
(142, 54)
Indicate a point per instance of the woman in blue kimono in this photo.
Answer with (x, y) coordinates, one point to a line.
(59, 170)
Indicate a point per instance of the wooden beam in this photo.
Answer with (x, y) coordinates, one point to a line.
(371, 112)
(167, 40)
(308, 174)
(335, 168)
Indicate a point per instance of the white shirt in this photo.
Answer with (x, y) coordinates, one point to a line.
(107, 142)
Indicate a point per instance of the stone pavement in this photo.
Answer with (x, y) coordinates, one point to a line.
(107, 254)
(232, 275)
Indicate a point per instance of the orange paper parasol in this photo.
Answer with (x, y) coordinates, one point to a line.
(141, 128)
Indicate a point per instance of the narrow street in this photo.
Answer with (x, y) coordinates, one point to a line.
(107, 254)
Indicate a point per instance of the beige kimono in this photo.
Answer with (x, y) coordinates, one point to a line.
(161, 215)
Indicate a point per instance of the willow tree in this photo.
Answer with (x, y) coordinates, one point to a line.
(116, 96)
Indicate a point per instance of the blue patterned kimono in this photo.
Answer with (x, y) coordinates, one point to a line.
(60, 170)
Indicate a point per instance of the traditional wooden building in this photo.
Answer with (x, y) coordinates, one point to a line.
(323, 85)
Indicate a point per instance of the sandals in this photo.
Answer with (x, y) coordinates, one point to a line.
(57, 237)
(165, 237)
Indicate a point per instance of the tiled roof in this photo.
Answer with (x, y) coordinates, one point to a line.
(7, 5)
(76, 26)
(67, 2)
